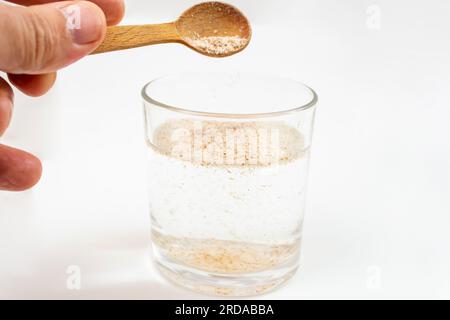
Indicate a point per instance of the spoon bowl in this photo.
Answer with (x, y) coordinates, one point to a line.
(214, 29)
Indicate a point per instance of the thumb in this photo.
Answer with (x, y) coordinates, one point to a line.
(44, 38)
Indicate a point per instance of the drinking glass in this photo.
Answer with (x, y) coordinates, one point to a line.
(228, 164)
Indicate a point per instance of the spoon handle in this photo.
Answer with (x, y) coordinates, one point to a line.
(126, 37)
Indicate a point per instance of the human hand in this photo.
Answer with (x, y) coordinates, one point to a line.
(35, 42)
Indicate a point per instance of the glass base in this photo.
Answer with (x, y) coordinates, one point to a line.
(220, 284)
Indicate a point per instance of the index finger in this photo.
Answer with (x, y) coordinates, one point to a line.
(113, 9)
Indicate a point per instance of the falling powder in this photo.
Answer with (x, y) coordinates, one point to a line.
(219, 45)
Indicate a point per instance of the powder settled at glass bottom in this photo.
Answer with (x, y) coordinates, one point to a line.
(224, 256)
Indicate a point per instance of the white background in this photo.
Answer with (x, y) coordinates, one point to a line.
(378, 214)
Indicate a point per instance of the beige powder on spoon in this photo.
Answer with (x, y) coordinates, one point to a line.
(219, 45)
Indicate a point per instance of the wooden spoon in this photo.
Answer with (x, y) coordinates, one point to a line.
(214, 29)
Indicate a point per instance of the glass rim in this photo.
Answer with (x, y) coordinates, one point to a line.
(313, 101)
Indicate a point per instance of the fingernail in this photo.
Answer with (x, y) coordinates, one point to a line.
(85, 22)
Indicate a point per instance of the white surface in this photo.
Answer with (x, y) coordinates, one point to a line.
(378, 216)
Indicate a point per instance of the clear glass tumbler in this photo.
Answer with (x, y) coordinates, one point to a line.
(228, 166)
